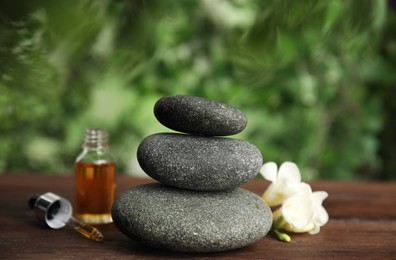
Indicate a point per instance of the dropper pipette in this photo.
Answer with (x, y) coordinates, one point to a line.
(56, 212)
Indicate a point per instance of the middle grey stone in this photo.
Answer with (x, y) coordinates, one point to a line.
(199, 163)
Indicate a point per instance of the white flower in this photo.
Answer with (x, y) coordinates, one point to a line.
(303, 212)
(300, 210)
(321, 216)
(297, 211)
(285, 182)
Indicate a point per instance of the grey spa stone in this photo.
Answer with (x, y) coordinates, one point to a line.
(191, 221)
(198, 162)
(195, 115)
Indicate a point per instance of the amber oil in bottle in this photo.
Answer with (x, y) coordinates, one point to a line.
(95, 179)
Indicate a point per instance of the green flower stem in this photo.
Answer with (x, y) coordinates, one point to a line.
(276, 226)
(282, 236)
(278, 223)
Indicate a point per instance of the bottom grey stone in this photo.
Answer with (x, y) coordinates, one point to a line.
(191, 221)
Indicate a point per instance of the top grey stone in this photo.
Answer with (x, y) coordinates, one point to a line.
(199, 116)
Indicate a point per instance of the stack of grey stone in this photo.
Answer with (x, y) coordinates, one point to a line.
(197, 206)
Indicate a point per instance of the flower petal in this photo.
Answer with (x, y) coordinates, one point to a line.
(273, 196)
(322, 217)
(315, 230)
(298, 210)
(319, 196)
(293, 229)
(289, 173)
(269, 171)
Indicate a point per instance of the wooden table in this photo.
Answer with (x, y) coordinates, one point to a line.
(362, 225)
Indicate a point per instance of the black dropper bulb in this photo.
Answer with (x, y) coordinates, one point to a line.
(32, 201)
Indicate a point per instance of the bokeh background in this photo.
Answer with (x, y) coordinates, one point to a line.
(315, 78)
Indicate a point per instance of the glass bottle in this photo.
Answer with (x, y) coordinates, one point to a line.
(95, 180)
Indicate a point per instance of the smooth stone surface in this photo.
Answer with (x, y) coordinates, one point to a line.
(191, 221)
(197, 162)
(195, 115)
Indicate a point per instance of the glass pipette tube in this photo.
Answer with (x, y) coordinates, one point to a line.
(84, 229)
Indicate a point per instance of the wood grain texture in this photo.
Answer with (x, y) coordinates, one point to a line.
(362, 225)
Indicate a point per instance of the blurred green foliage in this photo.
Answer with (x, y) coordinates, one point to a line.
(313, 77)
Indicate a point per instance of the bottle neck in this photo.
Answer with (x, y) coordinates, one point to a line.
(96, 138)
